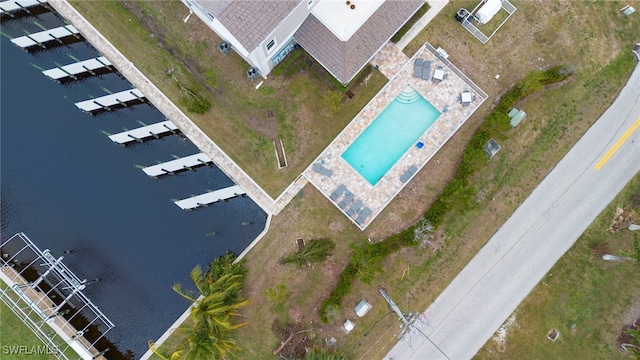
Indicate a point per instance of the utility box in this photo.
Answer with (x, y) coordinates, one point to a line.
(516, 116)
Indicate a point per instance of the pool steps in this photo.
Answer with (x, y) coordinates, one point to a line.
(408, 95)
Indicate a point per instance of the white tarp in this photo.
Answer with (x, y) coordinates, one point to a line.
(488, 10)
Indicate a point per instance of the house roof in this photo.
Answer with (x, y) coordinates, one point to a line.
(250, 21)
(344, 59)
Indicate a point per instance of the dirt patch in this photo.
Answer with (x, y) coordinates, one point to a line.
(266, 125)
(623, 218)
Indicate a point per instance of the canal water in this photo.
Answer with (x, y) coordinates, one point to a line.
(72, 190)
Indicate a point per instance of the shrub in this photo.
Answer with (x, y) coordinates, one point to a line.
(194, 102)
(290, 62)
(458, 195)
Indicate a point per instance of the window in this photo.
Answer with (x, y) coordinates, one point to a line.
(271, 44)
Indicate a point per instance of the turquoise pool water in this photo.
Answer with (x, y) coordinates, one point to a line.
(390, 135)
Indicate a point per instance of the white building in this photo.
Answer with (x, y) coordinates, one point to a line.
(342, 35)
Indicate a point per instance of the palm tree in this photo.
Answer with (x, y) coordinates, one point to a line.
(320, 354)
(212, 312)
(217, 304)
(202, 344)
(634, 254)
(316, 251)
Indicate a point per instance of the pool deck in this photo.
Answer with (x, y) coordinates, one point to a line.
(443, 96)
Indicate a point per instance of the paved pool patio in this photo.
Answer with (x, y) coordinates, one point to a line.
(330, 172)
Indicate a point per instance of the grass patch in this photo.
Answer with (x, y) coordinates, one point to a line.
(413, 276)
(457, 195)
(158, 41)
(13, 332)
(585, 298)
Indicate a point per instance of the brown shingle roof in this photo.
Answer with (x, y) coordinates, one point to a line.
(250, 21)
(215, 7)
(344, 59)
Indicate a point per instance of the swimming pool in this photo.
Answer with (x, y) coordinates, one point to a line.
(390, 135)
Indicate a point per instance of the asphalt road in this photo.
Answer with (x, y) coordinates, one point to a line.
(487, 291)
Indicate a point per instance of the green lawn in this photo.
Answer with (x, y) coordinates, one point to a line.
(585, 298)
(535, 37)
(13, 333)
(309, 107)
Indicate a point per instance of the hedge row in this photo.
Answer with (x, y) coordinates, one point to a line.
(458, 195)
(365, 261)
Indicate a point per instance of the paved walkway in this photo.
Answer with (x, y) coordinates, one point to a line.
(168, 108)
(389, 60)
(487, 291)
(435, 7)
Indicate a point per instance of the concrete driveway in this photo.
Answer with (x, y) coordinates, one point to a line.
(540, 231)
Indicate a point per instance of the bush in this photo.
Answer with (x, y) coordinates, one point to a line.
(194, 102)
(458, 195)
(289, 65)
(365, 261)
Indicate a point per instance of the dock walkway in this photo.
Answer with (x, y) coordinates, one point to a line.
(172, 166)
(39, 38)
(169, 109)
(153, 130)
(75, 69)
(105, 102)
(210, 197)
(12, 5)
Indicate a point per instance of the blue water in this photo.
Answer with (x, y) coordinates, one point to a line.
(389, 136)
(70, 188)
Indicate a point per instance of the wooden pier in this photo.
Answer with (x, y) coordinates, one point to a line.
(141, 133)
(12, 5)
(210, 197)
(184, 163)
(75, 69)
(42, 37)
(107, 101)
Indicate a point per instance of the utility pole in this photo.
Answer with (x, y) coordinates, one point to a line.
(408, 322)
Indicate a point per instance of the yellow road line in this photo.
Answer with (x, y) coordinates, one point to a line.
(617, 145)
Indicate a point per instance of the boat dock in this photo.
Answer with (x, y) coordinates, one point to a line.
(75, 69)
(12, 5)
(105, 102)
(210, 197)
(39, 38)
(40, 307)
(184, 163)
(153, 130)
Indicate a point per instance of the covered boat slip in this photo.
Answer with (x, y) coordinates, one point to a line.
(210, 197)
(176, 165)
(39, 38)
(153, 130)
(12, 5)
(105, 102)
(81, 67)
